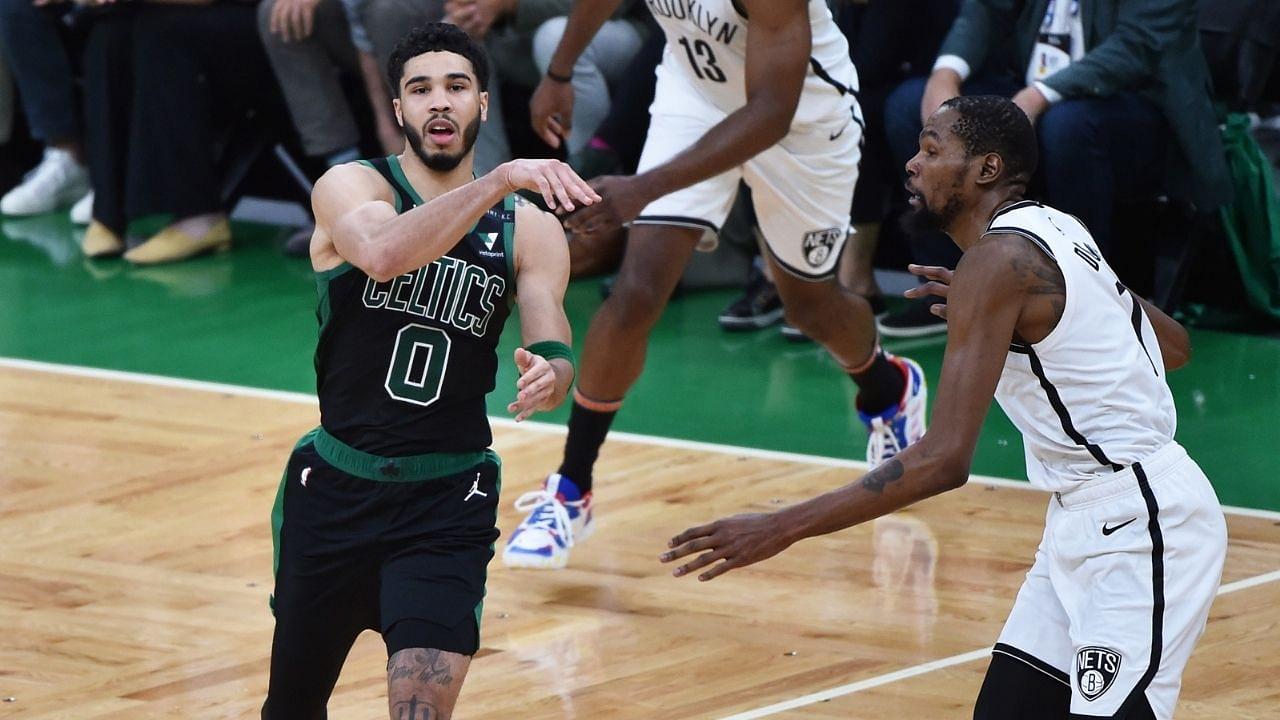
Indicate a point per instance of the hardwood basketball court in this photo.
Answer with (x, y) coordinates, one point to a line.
(135, 563)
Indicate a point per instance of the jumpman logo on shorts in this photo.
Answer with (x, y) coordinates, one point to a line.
(475, 489)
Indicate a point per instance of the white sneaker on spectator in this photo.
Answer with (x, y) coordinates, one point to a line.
(56, 182)
(82, 211)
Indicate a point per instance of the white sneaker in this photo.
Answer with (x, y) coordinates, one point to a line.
(82, 211)
(890, 432)
(561, 516)
(56, 182)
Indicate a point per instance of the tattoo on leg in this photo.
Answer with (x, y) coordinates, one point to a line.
(414, 709)
(877, 479)
(424, 665)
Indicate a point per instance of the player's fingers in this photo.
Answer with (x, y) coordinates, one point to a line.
(579, 187)
(305, 18)
(699, 562)
(932, 272)
(939, 309)
(693, 546)
(690, 534)
(557, 186)
(932, 287)
(544, 188)
(274, 24)
(719, 570)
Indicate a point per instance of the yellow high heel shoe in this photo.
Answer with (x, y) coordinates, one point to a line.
(172, 245)
(99, 241)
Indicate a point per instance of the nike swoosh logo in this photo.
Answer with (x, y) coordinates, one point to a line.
(1107, 531)
(836, 136)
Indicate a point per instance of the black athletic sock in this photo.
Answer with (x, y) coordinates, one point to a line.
(880, 385)
(587, 430)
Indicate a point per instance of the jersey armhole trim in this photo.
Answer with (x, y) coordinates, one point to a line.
(1034, 238)
(398, 173)
(509, 242)
(333, 272)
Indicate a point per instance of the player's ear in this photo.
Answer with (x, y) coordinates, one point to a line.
(484, 106)
(395, 105)
(991, 169)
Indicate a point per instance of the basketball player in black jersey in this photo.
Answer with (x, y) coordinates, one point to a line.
(385, 518)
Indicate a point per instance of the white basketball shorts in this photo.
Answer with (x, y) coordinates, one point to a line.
(1122, 584)
(802, 188)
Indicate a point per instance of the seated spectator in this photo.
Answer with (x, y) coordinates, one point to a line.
(35, 52)
(601, 66)
(311, 44)
(163, 84)
(1119, 92)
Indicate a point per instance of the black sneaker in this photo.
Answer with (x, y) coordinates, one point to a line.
(757, 308)
(914, 321)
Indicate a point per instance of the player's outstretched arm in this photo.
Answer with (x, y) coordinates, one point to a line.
(778, 48)
(984, 303)
(551, 108)
(542, 272)
(356, 221)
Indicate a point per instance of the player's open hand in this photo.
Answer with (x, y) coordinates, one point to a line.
(551, 111)
(738, 541)
(939, 284)
(623, 198)
(558, 184)
(536, 387)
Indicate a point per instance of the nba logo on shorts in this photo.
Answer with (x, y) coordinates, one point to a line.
(1096, 669)
(818, 244)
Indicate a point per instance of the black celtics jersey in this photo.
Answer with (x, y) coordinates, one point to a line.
(403, 367)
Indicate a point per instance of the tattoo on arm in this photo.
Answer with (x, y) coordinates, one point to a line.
(1041, 276)
(877, 479)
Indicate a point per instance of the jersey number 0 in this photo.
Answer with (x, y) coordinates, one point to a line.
(418, 364)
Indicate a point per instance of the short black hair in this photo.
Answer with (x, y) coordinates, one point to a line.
(437, 37)
(994, 124)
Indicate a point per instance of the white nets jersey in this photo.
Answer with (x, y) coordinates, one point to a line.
(707, 43)
(1091, 397)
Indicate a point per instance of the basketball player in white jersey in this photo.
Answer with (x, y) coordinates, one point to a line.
(1134, 538)
(760, 91)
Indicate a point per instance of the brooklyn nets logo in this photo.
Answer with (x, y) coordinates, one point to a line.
(818, 245)
(1096, 670)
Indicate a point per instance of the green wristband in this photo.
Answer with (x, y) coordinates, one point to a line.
(552, 349)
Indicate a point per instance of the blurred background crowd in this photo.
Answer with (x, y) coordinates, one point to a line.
(151, 121)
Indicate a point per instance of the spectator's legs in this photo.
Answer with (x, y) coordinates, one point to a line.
(108, 100)
(603, 63)
(30, 41)
(308, 71)
(492, 147)
(185, 84)
(35, 52)
(1097, 150)
(627, 124)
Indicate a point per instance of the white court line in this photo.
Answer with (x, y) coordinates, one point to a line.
(503, 422)
(923, 668)
(913, 671)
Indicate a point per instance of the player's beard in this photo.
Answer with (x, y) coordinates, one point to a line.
(925, 220)
(442, 161)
